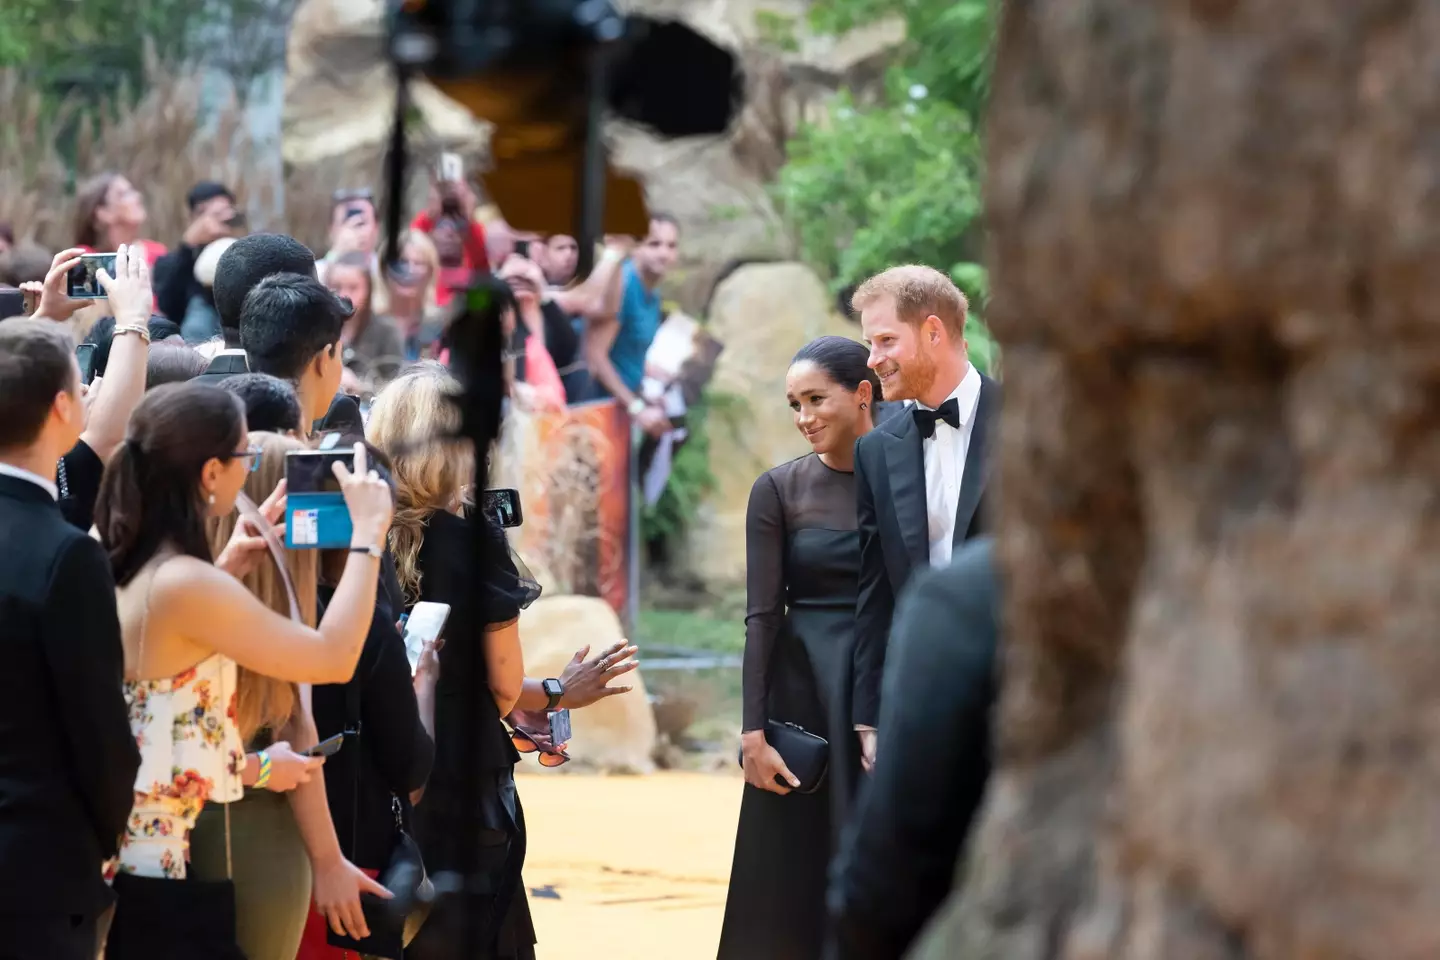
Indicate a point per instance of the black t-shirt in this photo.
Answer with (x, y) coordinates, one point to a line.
(78, 478)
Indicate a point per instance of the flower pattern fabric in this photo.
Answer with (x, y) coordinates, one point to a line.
(190, 753)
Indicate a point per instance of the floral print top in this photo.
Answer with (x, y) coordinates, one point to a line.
(190, 746)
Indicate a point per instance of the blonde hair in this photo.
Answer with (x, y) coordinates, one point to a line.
(430, 475)
(263, 702)
(431, 256)
(918, 292)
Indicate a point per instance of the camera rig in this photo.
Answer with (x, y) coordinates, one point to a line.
(546, 74)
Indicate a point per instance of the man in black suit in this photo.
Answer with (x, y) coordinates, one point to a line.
(919, 478)
(896, 859)
(67, 758)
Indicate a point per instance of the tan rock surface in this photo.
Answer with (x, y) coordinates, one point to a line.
(762, 313)
(1213, 225)
(617, 733)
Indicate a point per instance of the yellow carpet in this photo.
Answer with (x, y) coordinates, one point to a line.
(629, 868)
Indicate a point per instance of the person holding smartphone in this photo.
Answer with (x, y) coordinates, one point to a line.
(213, 216)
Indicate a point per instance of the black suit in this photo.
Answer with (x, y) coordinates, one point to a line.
(892, 518)
(897, 857)
(67, 759)
(227, 364)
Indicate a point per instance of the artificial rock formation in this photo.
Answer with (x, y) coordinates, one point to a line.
(762, 313)
(1213, 222)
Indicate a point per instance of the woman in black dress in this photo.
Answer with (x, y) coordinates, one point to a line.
(802, 567)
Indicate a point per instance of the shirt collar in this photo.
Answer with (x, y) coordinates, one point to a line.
(966, 395)
(47, 485)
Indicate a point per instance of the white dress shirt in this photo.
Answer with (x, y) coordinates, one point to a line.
(35, 478)
(945, 467)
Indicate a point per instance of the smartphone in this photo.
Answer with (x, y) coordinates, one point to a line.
(237, 219)
(560, 727)
(502, 506)
(522, 248)
(85, 356)
(83, 282)
(449, 169)
(325, 748)
(12, 303)
(316, 517)
(424, 625)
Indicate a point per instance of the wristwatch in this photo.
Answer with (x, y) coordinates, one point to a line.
(374, 550)
(554, 689)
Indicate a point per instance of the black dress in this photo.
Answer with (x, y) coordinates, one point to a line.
(802, 567)
(470, 823)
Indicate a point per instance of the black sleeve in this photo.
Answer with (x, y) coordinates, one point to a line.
(390, 716)
(83, 652)
(764, 595)
(560, 338)
(897, 858)
(173, 273)
(82, 469)
(874, 605)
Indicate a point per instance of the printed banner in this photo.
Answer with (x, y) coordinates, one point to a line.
(573, 473)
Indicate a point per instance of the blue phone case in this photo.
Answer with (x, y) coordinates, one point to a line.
(317, 521)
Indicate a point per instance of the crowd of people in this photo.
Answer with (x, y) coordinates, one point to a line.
(172, 665)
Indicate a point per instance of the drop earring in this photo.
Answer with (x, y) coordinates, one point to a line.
(212, 499)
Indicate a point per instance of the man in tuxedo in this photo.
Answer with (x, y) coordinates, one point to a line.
(67, 758)
(919, 478)
(896, 859)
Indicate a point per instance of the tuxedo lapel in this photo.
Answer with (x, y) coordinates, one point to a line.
(977, 458)
(905, 460)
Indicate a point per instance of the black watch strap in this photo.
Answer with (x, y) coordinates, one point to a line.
(554, 689)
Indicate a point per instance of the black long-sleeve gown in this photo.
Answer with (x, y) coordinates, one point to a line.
(802, 567)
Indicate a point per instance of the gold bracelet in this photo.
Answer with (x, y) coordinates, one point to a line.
(136, 328)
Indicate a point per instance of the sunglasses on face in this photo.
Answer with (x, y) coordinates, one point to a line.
(526, 744)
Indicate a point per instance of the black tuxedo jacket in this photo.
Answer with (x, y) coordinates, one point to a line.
(67, 759)
(897, 858)
(893, 522)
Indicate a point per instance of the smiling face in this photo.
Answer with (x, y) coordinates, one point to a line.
(827, 415)
(900, 352)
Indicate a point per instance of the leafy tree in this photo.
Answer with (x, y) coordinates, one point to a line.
(899, 180)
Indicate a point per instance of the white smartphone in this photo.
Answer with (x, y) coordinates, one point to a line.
(424, 625)
(449, 169)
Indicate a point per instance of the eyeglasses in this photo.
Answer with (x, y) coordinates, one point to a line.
(526, 744)
(250, 453)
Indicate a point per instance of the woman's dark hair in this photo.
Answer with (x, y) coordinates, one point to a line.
(843, 360)
(173, 363)
(150, 494)
(89, 198)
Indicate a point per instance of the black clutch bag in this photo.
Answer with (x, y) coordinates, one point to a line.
(807, 755)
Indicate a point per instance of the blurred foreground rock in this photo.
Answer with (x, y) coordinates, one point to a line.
(616, 734)
(1214, 225)
(762, 313)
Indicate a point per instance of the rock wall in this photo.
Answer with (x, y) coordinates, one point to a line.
(1214, 224)
(762, 313)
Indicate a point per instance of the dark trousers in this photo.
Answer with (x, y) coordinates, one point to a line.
(47, 936)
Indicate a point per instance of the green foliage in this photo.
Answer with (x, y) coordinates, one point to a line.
(880, 186)
(898, 180)
(99, 47)
(690, 476)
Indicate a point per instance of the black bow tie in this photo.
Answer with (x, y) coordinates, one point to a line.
(926, 419)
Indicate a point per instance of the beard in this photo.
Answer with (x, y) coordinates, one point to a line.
(912, 378)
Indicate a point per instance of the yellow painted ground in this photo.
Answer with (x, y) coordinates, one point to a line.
(639, 864)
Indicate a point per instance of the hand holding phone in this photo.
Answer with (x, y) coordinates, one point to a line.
(422, 628)
(325, 748)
